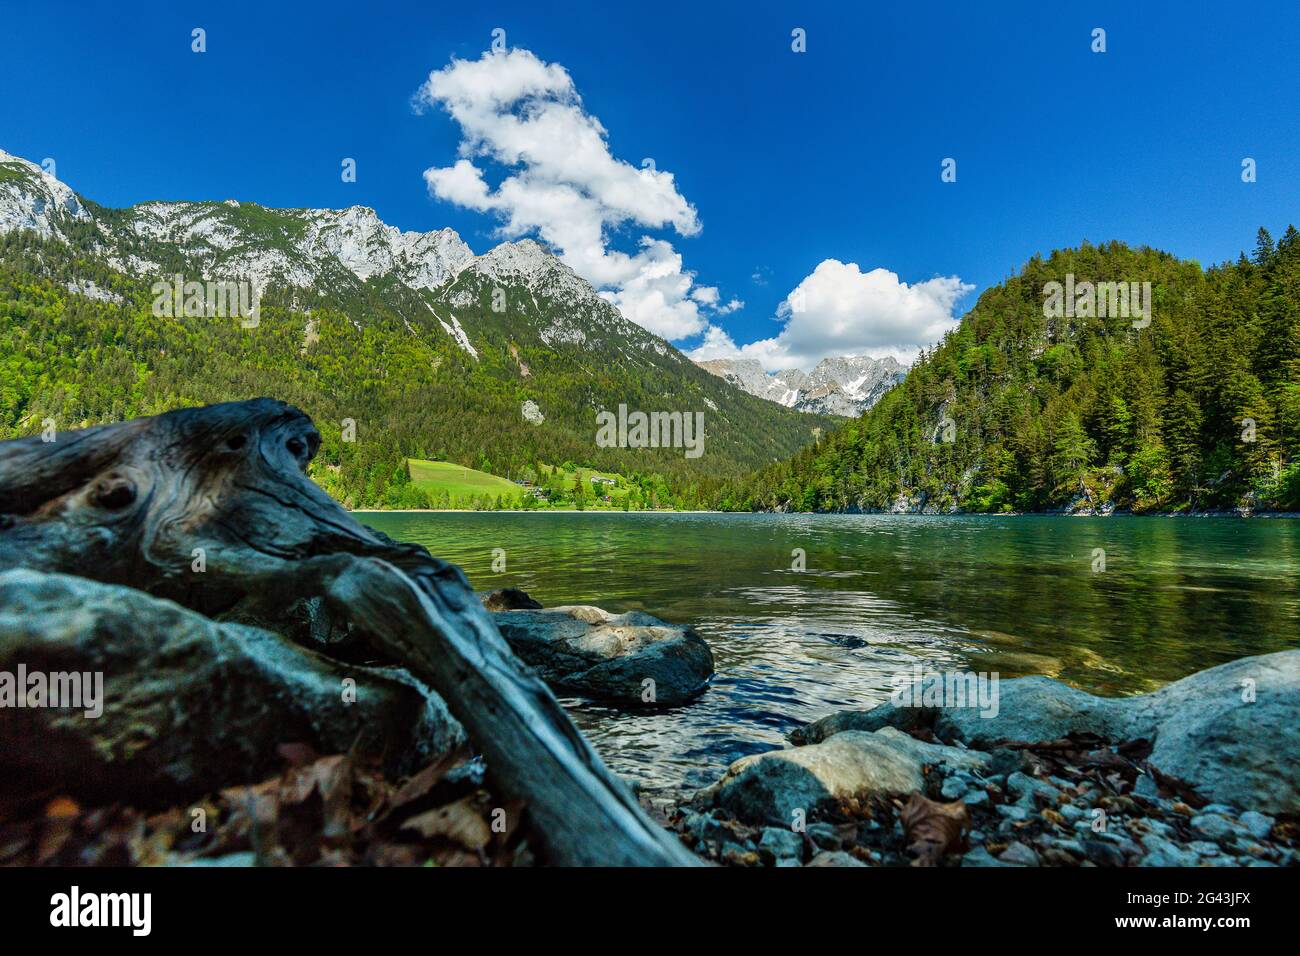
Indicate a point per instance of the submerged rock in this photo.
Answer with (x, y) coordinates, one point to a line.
(510, 599)
(634, 658)
(188, 705)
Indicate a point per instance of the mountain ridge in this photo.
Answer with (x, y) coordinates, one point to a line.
(844, 386)
(441, 349)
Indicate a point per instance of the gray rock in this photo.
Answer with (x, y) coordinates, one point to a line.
(1146, 786)
(1027, 790)
(885, 715)
(1208, 733)
(590, 651)
(825, 836)
(1102, 853)
(1160, 852)
(1214, 826)
(782, 843)
(981, 857)
(835, 858)
(850, 766)
(1018, 854)
(976, 798)
(1257, 824)
(510, 599)
(189, 705)
(952, 788)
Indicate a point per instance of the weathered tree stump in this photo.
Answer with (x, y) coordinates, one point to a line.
(149, 502)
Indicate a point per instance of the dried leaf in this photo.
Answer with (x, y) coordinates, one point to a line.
(932, 828)
(458, 822)
(62, 808)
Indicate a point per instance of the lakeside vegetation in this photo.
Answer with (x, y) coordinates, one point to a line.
(1017, 411)
(372, 352)
(447, 486)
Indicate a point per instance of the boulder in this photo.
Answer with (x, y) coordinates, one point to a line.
(1230, 734)
(188, 705)
(612, 656)
(510, 599)
(849, 768)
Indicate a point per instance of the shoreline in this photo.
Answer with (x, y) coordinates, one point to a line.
(900, 514)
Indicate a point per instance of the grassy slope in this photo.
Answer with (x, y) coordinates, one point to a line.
(458, 480)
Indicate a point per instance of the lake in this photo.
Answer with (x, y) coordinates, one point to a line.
(1115, 606)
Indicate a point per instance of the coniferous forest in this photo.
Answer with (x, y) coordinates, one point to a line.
(1015, 411)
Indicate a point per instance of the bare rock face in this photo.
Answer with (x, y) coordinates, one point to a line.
(633, 658)
(188, 705)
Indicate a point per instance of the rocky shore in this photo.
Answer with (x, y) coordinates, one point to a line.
(1204, 772)
(296, 755)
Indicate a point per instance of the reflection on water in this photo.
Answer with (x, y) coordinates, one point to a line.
(1011, 595)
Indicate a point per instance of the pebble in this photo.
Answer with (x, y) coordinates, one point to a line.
(782, 843)
(1017, 854)
(981, 857)
(953, 788)
(1213, 826)
(1161, 852)
(1103, 853)
(825, 836)
(1257, 824)
(1028, 789)
(835, 858)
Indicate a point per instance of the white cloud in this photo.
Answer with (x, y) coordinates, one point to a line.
(565, 185)
(841, 310)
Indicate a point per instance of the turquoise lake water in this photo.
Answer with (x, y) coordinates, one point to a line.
(879, 593)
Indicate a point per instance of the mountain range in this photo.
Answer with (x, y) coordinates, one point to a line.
(500, 360)
(844, 386)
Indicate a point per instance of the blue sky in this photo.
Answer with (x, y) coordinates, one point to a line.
(788, 160)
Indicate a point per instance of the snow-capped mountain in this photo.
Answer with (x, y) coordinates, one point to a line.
(236, 239)
(508, 355)
(322, 249)
(845, 385)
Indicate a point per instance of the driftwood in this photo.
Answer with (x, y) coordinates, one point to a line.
(146, 502)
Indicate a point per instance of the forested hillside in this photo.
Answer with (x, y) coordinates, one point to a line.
(497, 362)
(1017, 411)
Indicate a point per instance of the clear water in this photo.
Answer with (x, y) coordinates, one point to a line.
(1013, 595)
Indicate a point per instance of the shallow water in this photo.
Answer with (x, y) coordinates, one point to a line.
(880, 593)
